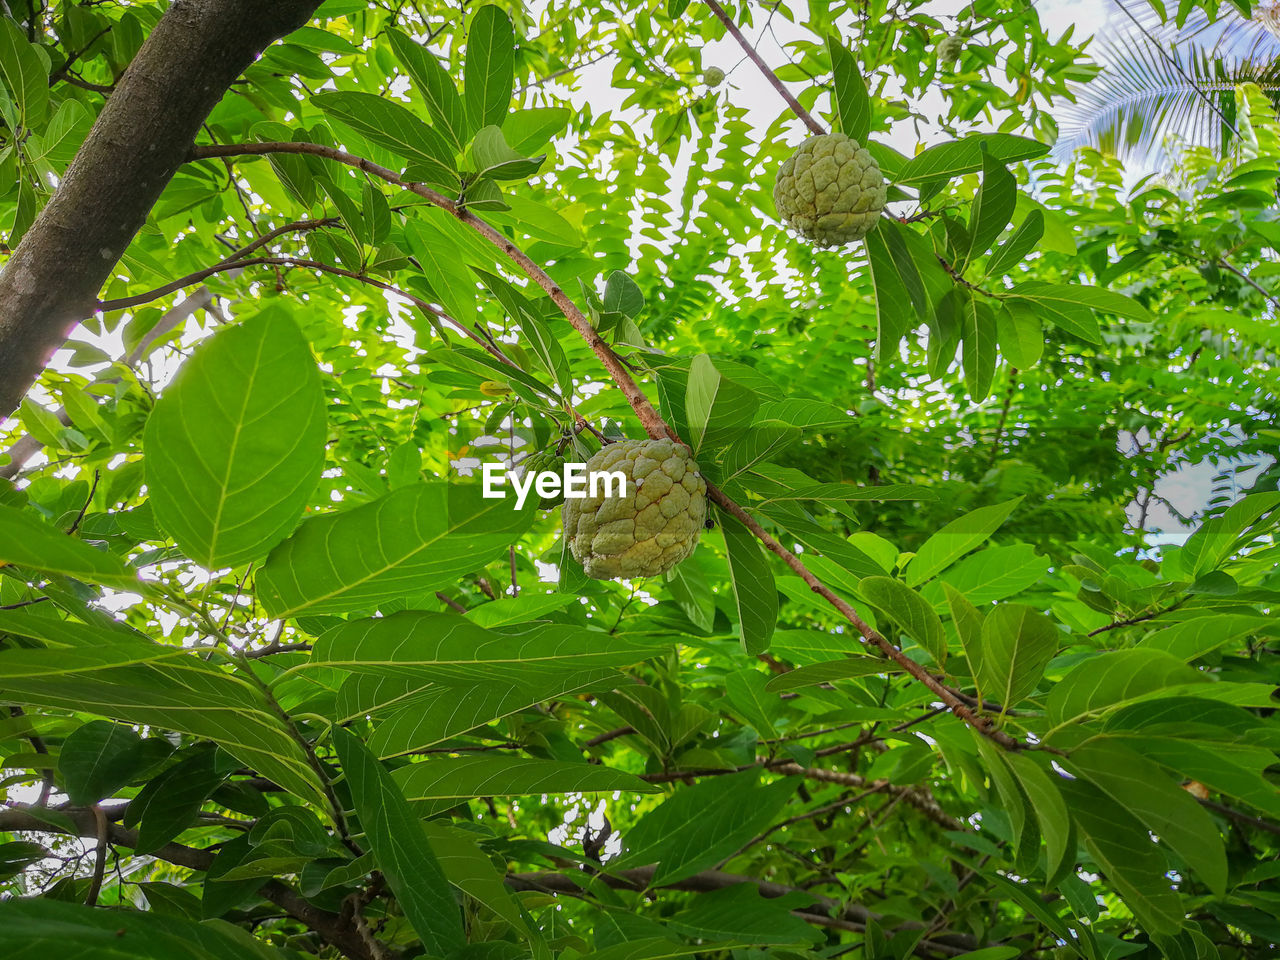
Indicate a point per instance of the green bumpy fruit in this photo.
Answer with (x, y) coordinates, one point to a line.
(830, 190)
(949, 50)
(651, 527)
(713, 76)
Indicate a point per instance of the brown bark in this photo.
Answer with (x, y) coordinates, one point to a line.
(142, 136)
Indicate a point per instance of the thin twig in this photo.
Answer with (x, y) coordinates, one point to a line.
(649, 418)
(100, 857)
(769, 75)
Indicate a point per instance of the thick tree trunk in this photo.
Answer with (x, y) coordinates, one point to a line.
(142, 136)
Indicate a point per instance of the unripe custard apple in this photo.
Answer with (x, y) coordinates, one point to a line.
(713, 76)
(830, 190)
(949, 49)
(650, 527)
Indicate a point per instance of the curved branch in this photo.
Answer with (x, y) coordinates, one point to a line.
(769, 75)
(649, 418)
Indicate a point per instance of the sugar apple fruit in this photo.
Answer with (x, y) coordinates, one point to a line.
(649, 529)
(830, 190)
(713, 76)
(949, 50)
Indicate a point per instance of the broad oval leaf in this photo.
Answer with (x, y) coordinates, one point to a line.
(235, 446)
(409, 543)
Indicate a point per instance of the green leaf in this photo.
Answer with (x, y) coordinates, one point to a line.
(1017, 245)
(412, 541)
(947, 160)
(717, 408)
(908, 610)
(447, 649)
(492, 158)
(437, 714)
(1013, 802)
(470, 869)
(992, 207)
(831, 671)
(1118, 842)
(892, 322)
(1017, 644)
(433, 243)
(1164, 808)
(957, 538)
(978, 345)
(1051, 813)
(968, 621)
(754, 592)
(98, 759)
(1193, 639)
(401, 848)
(1082, 295)
(699, 826)
(533, 128)
(436, 86)
(741, 914)
(489, 71)
(166, 687)
(235, 445)
(1218, 537)
(25, 73)
(168, 804)
(853, 105)
(1019, 335)
(391, 125)
(747, 690)
(463, 778)
(1108, 681)
(36, 927)
(26, 542)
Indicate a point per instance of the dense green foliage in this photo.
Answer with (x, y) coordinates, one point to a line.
(304, 692)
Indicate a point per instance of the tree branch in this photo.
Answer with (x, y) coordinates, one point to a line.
(649, 418)
(140, 138)
(328, 925)
(769, 75)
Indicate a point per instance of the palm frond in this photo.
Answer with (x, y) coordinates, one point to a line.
(1165, 85)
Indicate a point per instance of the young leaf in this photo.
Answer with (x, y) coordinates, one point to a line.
(235, 445)
(400, 846)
